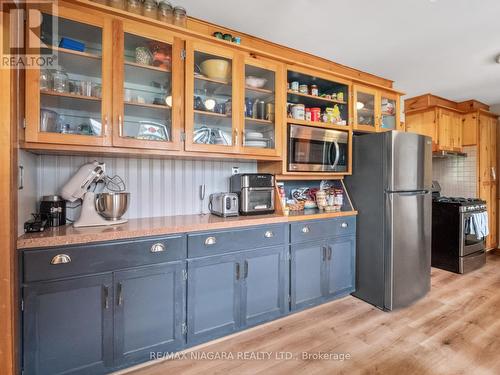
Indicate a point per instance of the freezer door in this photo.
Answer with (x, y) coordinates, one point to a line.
(409, 162)
(408, 251)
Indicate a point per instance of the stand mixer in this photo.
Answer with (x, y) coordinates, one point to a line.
(95, 206)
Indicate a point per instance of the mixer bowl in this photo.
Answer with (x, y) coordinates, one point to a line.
(112, 206)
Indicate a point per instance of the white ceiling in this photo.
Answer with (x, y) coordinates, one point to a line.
(446, 47)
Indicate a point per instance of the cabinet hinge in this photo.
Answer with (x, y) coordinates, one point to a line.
(183, 54)
(184, 328)
(184, 275)
(22, 304)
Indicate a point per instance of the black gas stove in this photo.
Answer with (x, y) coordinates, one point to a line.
(454, 247)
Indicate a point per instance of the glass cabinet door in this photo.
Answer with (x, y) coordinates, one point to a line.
(75, 91)
(260, 133)
(365, 110)
(210, 94)
(389, 112)
(145, 94)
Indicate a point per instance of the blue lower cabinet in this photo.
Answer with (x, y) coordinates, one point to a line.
(149, 311)
(265, 285)
(308, 273)
(213, 302)
(68, 326)
(341, 259)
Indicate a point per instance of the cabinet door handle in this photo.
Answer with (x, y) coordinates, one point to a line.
(269, 234)
(106, 297)
(158, 248)
(120, 294)
(210, 241)
(120, 125)
(324, 253)
(330, 251)
(105, 126)
(236, 137)
(61, 259)
(305, 229)
(237, 271)
(344, 225)
(493, 173)
(245, 270)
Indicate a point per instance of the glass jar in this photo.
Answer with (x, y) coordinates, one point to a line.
(118, 4)
(150, 9)
(134, 7)
(180, 16)
(45, 80)
(166, 12)
(60, 81)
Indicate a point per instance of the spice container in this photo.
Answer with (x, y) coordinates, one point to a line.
(134, 6)
(315, 114)
(180, 16)
(166, 12)
(118, 4)
(298, 111)
(150, 9)
(303, 89)
(314, 90)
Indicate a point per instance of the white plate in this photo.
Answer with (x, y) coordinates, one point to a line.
(256, 143)
(254, 135)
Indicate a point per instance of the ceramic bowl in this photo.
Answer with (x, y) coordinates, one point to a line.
(216, 69)
(255, 82)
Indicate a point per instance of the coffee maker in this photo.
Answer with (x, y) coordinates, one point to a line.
(255, 192)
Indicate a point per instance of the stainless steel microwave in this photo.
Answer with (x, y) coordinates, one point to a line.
(313, 149)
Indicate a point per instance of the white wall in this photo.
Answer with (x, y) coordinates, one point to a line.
(157, 187)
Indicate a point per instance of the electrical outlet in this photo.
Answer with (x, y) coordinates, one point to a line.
(236, 170)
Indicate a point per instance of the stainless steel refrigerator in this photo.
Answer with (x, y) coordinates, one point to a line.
(391, 189)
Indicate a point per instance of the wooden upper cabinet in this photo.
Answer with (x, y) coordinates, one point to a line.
(366, 108)
(450, 130)
(70, 102)
(469, 129)
(423, 122)
(214, 80)
(389, 112)
(262, 101)
(147, 87)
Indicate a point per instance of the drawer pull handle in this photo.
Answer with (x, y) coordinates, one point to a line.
(305, 229)
(269, 234)
(344, 225)
(210, 241)
(61, 259)
(158, 248)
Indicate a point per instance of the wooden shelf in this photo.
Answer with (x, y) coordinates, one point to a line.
(259, 121)
(214, 114)
(304, 215)
(264, 91)
(318, 124)
(148, 105)
(77, 53)
(68, 95)
(289, 92)
(388, 114)
(219, 81)
(150, 67)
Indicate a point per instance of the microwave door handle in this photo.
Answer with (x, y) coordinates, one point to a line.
(337, 154)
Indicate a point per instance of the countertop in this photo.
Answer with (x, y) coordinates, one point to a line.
(68, 235)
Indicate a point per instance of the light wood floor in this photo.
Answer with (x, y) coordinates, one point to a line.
(454, 330)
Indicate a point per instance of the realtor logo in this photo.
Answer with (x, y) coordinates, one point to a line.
(26, 43)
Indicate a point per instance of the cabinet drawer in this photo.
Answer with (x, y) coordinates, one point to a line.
(217, 242)
(314, 230)
(101, 257)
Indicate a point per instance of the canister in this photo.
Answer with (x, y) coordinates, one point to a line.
(303, 89)
(294, 86)
(315, 113)
(298, 111)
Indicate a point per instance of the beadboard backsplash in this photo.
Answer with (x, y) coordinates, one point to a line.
(157, 187)
(457, 175)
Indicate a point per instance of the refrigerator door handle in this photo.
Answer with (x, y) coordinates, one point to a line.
(409, 193)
